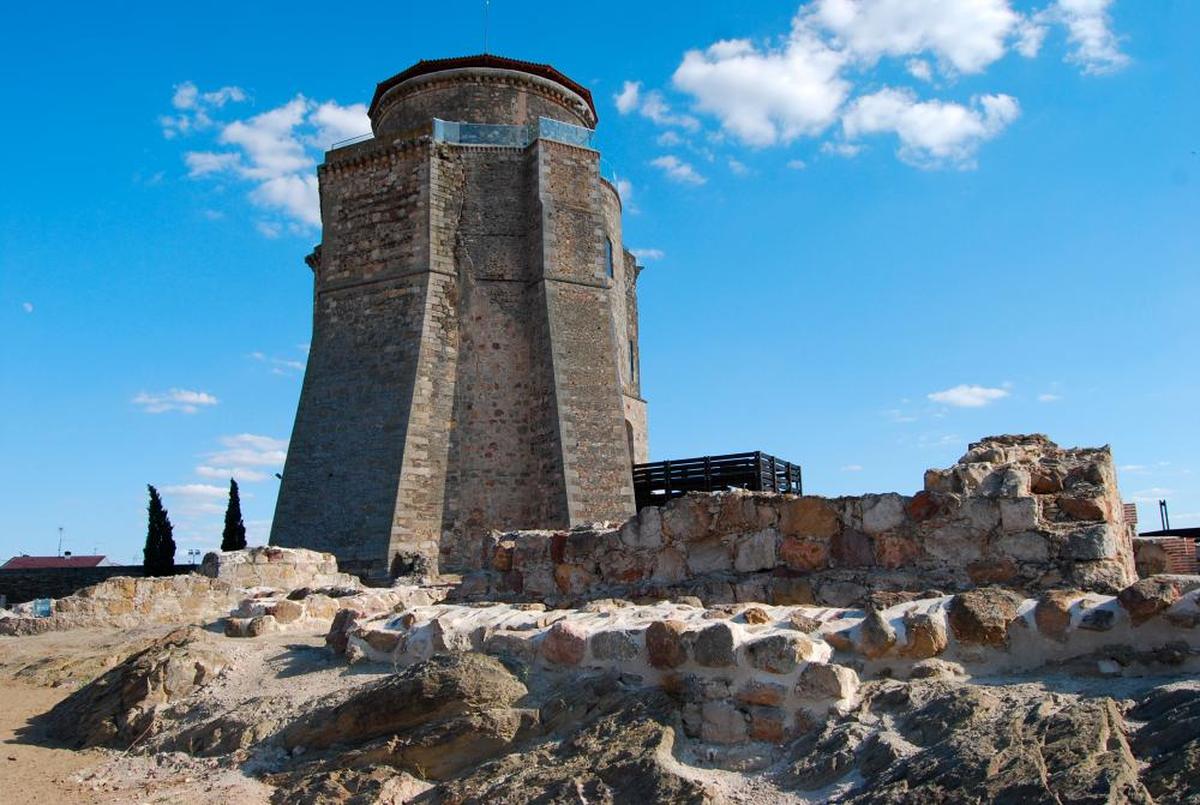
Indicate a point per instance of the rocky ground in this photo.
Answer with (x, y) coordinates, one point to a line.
(188, 715)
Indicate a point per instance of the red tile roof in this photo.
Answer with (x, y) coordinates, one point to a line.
(426, 66)
(45, 562)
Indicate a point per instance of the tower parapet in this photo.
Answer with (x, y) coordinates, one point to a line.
(474, 354)
(479, 89)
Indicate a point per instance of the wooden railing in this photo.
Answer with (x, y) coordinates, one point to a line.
(659, 481)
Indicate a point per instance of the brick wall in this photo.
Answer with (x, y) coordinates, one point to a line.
(1154, 555)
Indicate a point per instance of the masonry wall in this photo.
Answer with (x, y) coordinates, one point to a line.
(19, 586)
(342, 475)
(1015, 511)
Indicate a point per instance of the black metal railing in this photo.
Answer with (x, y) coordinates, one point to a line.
(658, 481)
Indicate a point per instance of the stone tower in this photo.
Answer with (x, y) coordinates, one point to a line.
(474, 358)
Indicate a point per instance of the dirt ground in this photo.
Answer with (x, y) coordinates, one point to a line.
(38, 672)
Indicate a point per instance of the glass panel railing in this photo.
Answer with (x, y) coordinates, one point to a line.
(458, 133)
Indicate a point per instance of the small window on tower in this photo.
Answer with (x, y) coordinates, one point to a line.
(608, 256)
(632, 362)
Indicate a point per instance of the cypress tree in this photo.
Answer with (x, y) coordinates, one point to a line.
(234, 536)
(166, 547)
(158, 556)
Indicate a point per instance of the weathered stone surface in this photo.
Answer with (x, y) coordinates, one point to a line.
(925, 636)
(766, 724)
(883, 513)
(808, 517)
(756, 552)
(1053, 613)
(755, 615)
(1097, 542)
(983, 616)
(826, 681)
(1018, 515)
(1083, 508)
(565, 643)
(778, 653)
(895, 550)
(1025, 546)
(713, 646)
(762, 693)
(121, 705)
(440, 688)
(851, 548)
(1146, 598)
(723, 723)
(614, 646)
(664, 644)
(876, 636)
(804, 554)
(1097, 620)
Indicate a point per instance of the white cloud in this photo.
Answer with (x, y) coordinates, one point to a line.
(276, 151)
(195, 107)
(657, 109)
(767, 95)
(919, 69)
(967, 35)
(797, 164)
(197, 491)
(1152, 495)
(249, 450)
(1096, 48)
(669, 139)
(336, 123)
(852, 468)
(846, 150)
(202, 163)
(965, 396)
(240, 474)
(27, 307)
(648, 254)
(624, 190)
(677, 170)
(932, 133)
(1049, 398)
(627, 98)
(182, 400)
(738, 168)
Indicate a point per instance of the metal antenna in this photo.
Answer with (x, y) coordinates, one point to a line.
(487, 4)
(60, 540)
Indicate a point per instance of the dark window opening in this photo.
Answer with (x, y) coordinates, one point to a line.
(608, 257)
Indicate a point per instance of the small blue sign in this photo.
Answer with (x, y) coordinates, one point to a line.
(41, 607)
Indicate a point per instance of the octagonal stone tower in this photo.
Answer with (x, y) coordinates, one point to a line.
(474, 359)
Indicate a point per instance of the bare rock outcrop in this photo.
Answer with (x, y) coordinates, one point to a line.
(121, 706)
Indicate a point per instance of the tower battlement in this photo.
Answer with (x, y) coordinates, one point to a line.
(474, 359)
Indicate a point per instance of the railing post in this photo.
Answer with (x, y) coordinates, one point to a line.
(774, 477)
(708, 473)
(667, 478)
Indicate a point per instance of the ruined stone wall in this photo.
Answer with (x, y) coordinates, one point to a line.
(638, 427)
(1017, 511)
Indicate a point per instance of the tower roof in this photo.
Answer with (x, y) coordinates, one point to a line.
(427, 66)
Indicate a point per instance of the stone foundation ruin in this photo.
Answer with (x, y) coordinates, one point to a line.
(1015, 510)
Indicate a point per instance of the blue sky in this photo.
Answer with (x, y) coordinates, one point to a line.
(873, 232)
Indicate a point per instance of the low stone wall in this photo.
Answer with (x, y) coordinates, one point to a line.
(770, 673)
(1015, 510)
(128, 602)
(20, 586)
(277, 568)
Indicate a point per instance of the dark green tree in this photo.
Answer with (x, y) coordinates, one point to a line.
(234, 536)
(158, 557)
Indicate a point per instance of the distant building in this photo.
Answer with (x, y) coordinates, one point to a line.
(55, 562)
